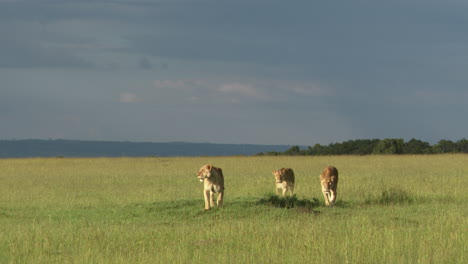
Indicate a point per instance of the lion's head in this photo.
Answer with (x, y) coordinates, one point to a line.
(204, 172)
(278, 175)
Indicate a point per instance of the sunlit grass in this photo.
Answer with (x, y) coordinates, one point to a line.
(390, 209)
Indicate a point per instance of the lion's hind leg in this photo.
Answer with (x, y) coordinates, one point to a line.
(291, 189)
(220, 199)
(212, 199)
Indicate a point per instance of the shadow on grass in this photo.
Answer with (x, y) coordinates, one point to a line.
(242, 207)
(343, 204)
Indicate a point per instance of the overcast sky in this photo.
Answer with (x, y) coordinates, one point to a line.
(234, 71)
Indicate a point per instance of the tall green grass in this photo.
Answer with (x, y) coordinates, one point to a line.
(390, 209)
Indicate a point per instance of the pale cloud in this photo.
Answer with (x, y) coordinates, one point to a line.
(193, 99)
(168, 83)
(440, 97)
(128, 98)
(430, 98)
(239, 88)
(313, 90)
(240, 91)
(235, 100)
(232, 92)
(179, 84)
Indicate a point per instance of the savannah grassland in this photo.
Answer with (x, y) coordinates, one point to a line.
(390, 209)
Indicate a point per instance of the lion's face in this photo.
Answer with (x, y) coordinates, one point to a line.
(204, 172)
(278, 176)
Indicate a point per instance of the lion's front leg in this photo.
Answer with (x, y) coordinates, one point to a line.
(325, 196)
(332, 197)
(212, 199)
(206, 194)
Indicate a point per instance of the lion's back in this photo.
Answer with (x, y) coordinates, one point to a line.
(220, 176)
(288, 175)
(217, 177)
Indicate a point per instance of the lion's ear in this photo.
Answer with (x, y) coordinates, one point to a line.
(209, 167)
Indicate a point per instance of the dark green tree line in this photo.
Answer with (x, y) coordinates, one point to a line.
(378, 146)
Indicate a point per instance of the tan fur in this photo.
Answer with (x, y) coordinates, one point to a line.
(284, 180)
(329, 182)
(213, 183)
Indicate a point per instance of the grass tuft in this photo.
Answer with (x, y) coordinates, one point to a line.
(392, 195)
(288, 202)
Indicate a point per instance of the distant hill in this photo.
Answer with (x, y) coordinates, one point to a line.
(79, 148)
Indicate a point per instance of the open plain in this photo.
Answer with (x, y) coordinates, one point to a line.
(390, 209)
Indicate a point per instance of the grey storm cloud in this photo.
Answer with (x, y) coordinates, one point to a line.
(358, 40)
(145, 63)
(328, 37)
(31, 45)
(359, 68)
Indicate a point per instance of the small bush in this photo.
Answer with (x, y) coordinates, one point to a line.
(288, 202)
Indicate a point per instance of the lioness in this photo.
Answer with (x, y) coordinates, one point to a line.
(214, 183)
(284, 179)
(329, 181)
